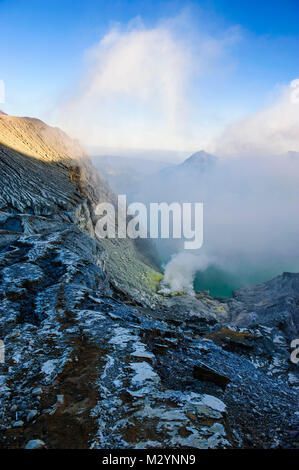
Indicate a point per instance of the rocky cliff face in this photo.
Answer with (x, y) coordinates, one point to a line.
(94, 357)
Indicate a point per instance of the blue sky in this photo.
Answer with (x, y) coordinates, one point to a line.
(46, 44)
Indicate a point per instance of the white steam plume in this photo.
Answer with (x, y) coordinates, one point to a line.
(180, 271)
(250, 198)
(271, 131)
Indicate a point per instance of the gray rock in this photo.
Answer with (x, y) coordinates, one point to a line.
(31, 415)
(272, 304)
(17, 424)
(35, 444)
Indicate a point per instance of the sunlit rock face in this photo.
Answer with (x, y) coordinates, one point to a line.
(94, 356)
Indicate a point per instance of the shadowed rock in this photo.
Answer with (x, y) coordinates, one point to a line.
(202, 372)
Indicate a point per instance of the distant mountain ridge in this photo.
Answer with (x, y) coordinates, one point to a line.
(201, 160)
(132, 176)
(124, 173)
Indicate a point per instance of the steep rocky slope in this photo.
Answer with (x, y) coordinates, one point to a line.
(45, 173)
(94, 356)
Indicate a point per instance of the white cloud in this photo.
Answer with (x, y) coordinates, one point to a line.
(136, 88)
(271, 131)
